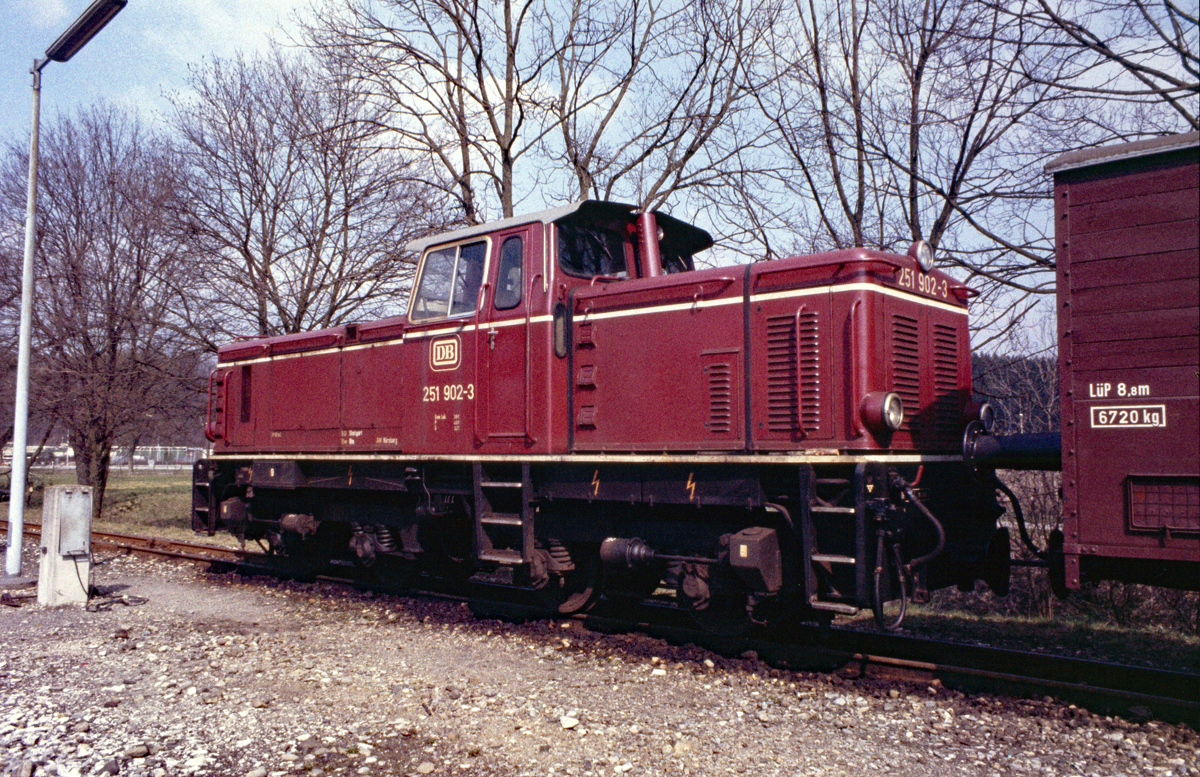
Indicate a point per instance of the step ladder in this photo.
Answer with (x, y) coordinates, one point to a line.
(503, 536)
(204, 516)
(835, 542)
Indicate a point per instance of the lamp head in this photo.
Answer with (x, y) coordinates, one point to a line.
(90, 22)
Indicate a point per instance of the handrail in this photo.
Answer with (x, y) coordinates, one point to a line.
(210, 431)
(529, 438)
(725, 280)
(478, 336)
(799, 374)
(831, 262)
(858, 378)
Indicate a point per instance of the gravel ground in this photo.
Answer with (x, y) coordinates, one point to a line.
(194, 673)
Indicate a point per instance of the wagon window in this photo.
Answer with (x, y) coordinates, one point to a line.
(587, 250)
(449, 283)
(508, 275)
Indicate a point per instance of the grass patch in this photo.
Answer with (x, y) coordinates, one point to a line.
(154, 502)
(1154, 647)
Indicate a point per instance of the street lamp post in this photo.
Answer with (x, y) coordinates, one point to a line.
(90, 22)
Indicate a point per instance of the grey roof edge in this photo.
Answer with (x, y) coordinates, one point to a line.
(544, 216)
(1097, 156)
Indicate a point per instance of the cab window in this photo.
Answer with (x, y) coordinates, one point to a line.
(508, 275)
(449, 283)
(589, 249)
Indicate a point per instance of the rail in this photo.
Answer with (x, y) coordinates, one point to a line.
(158, 546)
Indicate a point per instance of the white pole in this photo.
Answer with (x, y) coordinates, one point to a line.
(16, 498)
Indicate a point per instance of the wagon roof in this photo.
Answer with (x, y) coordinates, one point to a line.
(1095, 156)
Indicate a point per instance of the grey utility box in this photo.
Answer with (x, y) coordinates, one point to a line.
(64, 576)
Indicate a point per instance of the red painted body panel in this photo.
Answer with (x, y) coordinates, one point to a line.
(776, 356)
(1128, 241)
(657, 363)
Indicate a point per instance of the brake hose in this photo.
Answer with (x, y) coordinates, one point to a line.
(1020, 515)
(901, 577)
(903, 485)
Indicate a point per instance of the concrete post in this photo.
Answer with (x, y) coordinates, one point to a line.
(65, 574)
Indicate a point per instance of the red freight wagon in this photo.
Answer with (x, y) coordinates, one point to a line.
(1128, 249)
(567, 391)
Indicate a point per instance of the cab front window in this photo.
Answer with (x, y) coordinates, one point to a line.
(449, 283)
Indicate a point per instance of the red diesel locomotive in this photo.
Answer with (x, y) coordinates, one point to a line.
(570, 406)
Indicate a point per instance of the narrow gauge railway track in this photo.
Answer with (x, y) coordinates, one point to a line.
(1099, 686)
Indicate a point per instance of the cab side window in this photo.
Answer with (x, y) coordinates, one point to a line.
(450, 280)
(586, 250)
(508, 274)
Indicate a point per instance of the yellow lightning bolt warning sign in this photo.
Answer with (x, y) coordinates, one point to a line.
(596, 483)
(691, 487)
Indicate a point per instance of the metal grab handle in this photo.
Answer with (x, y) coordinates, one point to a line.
(832, 262)
(724, 280)
(483, 287)
(529, 361)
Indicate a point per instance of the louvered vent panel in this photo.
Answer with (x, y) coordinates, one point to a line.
(906, 366)
(945, 379)
(720, 398)
(782, 401)
(810, 371)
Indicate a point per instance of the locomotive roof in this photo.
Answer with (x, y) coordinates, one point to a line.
(1096, 156)
(696, 238)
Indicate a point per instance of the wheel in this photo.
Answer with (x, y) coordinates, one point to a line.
(1058, 565)
(997, 563)
(717, 599)
(574, 590)
(633, 585)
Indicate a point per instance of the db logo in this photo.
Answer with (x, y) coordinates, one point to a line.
(444, 354)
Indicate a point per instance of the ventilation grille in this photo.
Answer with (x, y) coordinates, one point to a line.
(906, 367)
(782, 401)
(247, 393)
(945, 379)
(720, 398)
(1163, 505)
(810, 371)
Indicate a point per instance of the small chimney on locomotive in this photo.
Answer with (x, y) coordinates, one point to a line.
(648, 234)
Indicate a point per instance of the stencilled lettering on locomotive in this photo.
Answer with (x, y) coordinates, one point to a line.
(350, 436)
(445, 354)
(1105, 390)
(450, 392)
(924, 283)
(1129, 417)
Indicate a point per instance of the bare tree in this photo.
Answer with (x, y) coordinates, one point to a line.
(819, 110)
(560, 100)
(457, 81)
(1133, 53)
(109, 348)
(925, 119)
(657, 104)
(294, 197)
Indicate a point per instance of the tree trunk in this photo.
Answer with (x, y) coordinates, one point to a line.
(93, 454)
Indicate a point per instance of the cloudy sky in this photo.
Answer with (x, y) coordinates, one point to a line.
(142, 54)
